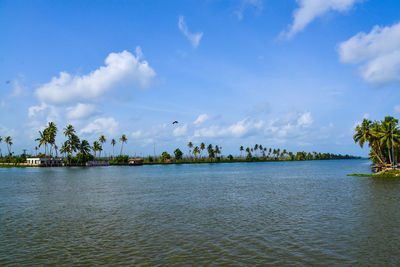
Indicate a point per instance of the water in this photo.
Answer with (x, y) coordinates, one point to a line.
(281, 213)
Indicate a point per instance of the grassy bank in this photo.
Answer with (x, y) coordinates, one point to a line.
(382, 174)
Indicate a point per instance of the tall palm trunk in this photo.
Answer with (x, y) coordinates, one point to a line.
(390, 156)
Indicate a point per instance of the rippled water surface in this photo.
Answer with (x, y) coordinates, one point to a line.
(283, 213)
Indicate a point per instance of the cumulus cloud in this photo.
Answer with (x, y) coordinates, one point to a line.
(377, 54)
(201, 118)
(311, 9)
(305, 120)
(257, 4)
(80, 111)
(291, 125)
(108, 126)
(120, 70)
(180, 131)
(194, 38)
(44, 111)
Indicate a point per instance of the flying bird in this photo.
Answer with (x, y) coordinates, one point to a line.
(175, 122)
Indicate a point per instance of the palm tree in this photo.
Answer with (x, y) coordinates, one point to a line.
(65, 148)
(255, 149)
(123, 140)
(190, 145)
(1, 140)
(42, 140)
(241, 150)
(202, 147)
(84, 147)
(368, 132)
(9, 143)
(217, 150)
(113, 142)
(51, 132)
(96, 147)
(196, 151)
(102, 140)
(388, 133)
(69, 132)
(36, 149)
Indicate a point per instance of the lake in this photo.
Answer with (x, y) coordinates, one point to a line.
(281, 213)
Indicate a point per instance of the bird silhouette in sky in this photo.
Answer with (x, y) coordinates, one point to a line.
(175, 122)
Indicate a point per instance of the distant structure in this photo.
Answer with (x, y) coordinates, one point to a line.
(135, 161)
(44, 161)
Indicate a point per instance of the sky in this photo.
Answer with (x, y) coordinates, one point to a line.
(294, 74)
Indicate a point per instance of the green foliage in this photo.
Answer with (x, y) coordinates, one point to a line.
(178, 154)
(165, 156)
(120, 160)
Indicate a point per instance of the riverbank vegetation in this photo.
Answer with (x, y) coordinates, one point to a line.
(76, 152)
(383, 174)
(383, 139)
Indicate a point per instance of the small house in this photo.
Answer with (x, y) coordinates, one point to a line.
(135, 161)
(44, 161)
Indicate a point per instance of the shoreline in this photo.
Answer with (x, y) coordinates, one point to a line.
(24, 165)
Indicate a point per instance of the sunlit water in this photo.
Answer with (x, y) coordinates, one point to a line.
(283, 213)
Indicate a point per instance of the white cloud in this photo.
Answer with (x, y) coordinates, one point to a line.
(311, 9)
(194, 38)
(305, 120)
(201, 118)
(136, 134)
(180, 131)
(80, 111)
(120, 70)
(44, 111)
(257, 4)
(18, 89)
(107, 126)
(377, 53)
(292, 125)
(238, 129)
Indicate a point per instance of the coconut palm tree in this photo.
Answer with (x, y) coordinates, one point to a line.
(84, 147)
(196, 151)
(367, 132)
(217, 150)
(69, 132)
(388, 133)
(1, 140)
(255, 149)
(102, 140)
(241, 150)
(51, 132)
(65, 148)
(123, 140)
(190, 145)
(96, 147)
(113, 142)
(202, 147)
(9, 143)
(36, 149)
(42, 140)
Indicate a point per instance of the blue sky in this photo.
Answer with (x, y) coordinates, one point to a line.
(294, 74)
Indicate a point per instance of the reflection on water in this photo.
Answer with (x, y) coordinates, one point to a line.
(287, 213)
